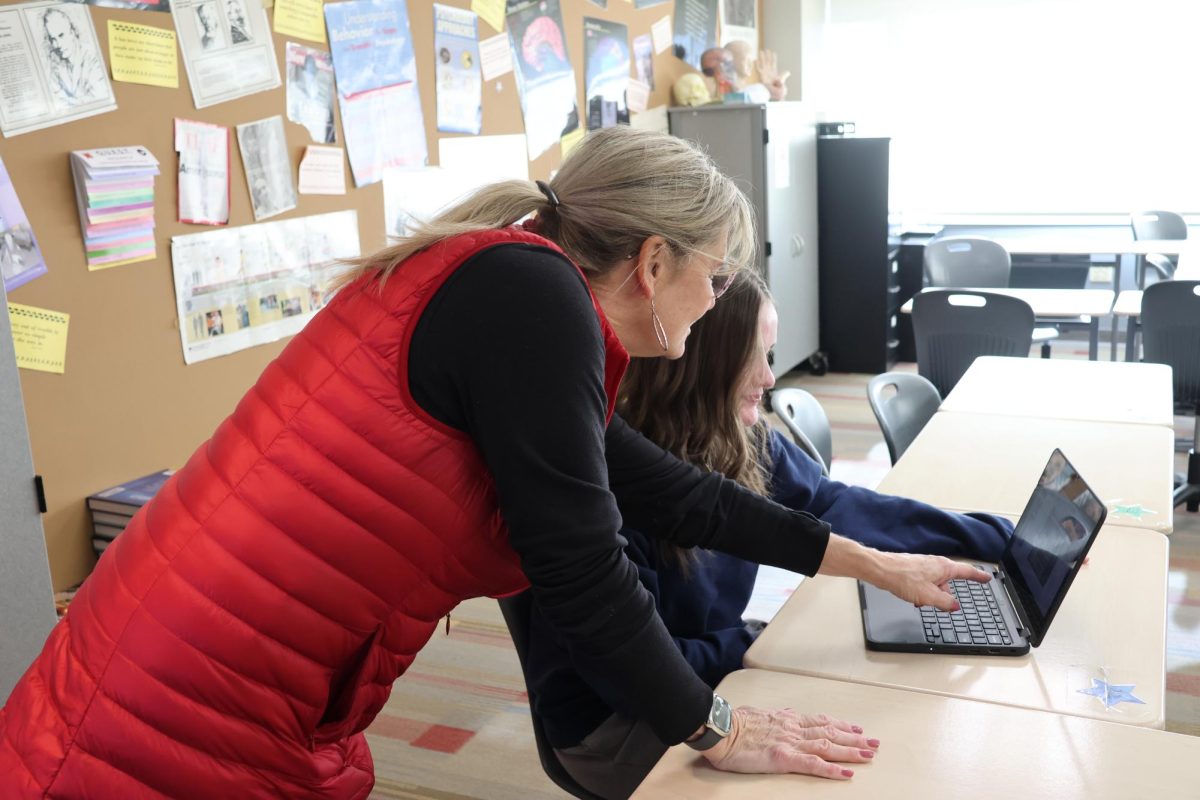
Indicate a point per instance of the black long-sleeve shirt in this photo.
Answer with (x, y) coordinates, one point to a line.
(510, 351)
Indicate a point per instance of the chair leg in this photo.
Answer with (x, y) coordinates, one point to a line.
(1189, 492)
(1045, 349)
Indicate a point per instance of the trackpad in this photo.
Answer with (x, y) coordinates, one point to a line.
(890, 619)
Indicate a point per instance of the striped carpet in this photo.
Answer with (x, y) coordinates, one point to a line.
(457, 724)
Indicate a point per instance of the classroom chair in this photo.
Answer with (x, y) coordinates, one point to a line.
(1156, 225)
(975, 263)
(1171, 335)
(806, 421)
(517, 611)
(904, 413)
(954, 327)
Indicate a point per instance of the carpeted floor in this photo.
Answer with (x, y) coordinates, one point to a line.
(457, 724)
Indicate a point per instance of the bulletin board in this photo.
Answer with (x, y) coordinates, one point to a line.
(127, 405)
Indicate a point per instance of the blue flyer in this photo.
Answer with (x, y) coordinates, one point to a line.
(376, 75)
(456, 65)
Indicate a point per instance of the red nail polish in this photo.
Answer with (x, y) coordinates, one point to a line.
(847, 773)
(872, 742)
(867, 753)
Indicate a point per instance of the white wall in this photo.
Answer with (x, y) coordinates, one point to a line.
(1017, 106)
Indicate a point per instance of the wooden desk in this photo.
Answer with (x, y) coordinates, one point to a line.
(1114, 616)
(1099, 391)
(1089, 244)
(1187, 251)
(990, 462)
(1055, 303)
(934, 747)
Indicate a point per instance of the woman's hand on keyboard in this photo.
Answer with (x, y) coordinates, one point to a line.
(924, 580)
(783, 740)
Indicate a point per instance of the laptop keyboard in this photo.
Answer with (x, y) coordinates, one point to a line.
(978, 621)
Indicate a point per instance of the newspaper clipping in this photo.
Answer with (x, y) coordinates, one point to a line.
(237, 288)
(52, 70)
(268, 169)
(227, 48)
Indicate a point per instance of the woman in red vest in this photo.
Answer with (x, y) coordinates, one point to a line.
(441, 430)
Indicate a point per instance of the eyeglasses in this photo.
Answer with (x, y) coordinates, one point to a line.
(721, 283)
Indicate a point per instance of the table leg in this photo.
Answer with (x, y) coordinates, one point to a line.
(1112, 356)
(1131, 332)
(1094, 340)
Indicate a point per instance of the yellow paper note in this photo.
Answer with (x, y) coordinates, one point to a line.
(39, 337)
(571, 139)
(490, 11)
(142, 54)
(301, 18)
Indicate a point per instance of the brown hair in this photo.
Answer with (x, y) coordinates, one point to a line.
(689, 406)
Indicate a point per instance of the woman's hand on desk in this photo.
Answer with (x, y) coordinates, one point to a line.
(763, 741)
(921, 580)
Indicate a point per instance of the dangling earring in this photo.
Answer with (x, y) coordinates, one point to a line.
(660, 332)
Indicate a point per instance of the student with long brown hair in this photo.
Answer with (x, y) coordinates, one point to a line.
(705, 408)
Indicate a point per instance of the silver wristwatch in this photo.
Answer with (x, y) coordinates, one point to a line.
(716, 727)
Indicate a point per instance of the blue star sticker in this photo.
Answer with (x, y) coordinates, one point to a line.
(1112, 693)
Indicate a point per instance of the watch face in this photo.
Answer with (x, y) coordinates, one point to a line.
(722, 715)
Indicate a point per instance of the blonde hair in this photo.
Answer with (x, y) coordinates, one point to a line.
(618, 187)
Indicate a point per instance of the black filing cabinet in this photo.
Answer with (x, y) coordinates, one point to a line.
(863, 278)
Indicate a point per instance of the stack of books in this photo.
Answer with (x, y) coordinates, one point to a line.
(114, 189)
(113, 508)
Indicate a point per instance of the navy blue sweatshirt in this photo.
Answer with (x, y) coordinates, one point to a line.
(702, 608)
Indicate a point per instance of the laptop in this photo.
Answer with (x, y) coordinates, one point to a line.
(1012, 612)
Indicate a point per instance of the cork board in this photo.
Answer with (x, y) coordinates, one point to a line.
(127, 405)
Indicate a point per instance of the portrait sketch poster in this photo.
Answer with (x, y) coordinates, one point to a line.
(376, 86)
(237, 288)
(268, 168)
(545, 77)
(227, 48)
(52, 70)
(20, 257)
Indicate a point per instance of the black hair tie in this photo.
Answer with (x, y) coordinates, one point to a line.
(550, 195)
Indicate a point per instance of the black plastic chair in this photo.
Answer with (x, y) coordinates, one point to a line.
(809, 426)
(953, 327)
(1171, 336)
(1156, 225)
(517, 611)
(973, 262)
(902, 415)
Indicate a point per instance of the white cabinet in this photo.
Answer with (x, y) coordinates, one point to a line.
(770, 150)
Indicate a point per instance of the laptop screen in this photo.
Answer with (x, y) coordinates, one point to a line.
(1052, 537)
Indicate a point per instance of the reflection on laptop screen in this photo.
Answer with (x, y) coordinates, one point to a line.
(1052, 534)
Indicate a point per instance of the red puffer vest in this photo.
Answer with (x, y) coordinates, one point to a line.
(249, 623)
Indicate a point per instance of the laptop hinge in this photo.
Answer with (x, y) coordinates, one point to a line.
(1023, 626)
